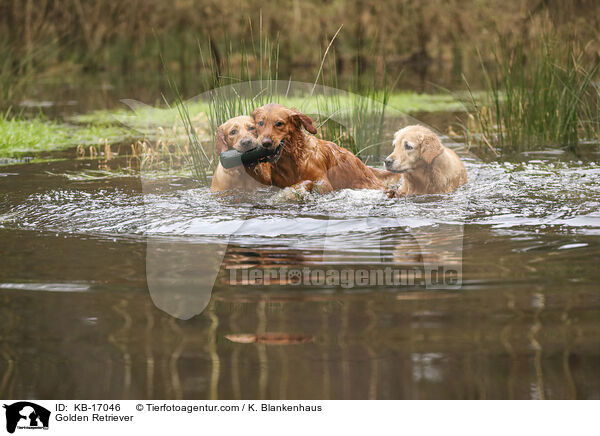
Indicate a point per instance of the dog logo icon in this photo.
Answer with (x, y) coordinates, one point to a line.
(26, 415)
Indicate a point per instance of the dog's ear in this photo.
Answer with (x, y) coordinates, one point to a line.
(431, 147)
(220, 144)
(301, 119)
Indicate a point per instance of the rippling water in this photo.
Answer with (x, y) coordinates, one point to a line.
(502, 195)
(77, 281)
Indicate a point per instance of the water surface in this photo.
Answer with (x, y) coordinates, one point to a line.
(79, 320)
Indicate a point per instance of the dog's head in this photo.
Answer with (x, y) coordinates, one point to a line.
(414, 147)
(276, 123)
(238, 133)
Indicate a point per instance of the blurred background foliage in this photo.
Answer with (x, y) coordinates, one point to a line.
(434, 40)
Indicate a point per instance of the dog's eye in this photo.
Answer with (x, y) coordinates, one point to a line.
(251, 128)
(279, 124)
(261, 123)
(408, 146)
(233, 132)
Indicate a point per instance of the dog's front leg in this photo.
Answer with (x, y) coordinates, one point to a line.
(299, 191)
(321, 186)
(397, 192)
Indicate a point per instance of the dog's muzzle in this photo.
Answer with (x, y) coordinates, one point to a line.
(388, 163)
(274, 155)
(247, 144)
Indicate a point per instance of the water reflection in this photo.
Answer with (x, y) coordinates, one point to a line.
(518, 338)
(78, 319)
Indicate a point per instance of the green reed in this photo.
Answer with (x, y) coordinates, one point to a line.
(15, 75)
(351, 120)
(200, 162)
(536, 98)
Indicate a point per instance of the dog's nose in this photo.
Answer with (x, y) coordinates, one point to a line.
(267, 143)
(388, 163)
(246, 143)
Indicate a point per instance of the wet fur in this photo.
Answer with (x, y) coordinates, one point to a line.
(238, 178)
(308, 162)
(430, 168)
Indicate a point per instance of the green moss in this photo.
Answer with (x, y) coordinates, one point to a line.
(19, 136)
(143, 119)
(410, 102)
(30, 135)
(146, 117)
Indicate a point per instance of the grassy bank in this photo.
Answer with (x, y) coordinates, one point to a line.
(19, 135)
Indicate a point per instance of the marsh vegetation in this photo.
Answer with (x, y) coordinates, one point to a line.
(512, 89)
(537, 97)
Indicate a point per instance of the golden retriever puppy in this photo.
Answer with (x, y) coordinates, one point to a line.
(306, 162)
(428, 167)
(239, 133)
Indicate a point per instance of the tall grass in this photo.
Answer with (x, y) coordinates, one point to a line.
(200, 161)
(543, 97)
(224, 102)
(15, 75)
(239, 89)
(356, 122)
(117, 35)
(350, 120)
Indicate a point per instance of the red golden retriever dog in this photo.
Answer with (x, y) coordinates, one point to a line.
(428, 167)
(239, 133)
(305, 161)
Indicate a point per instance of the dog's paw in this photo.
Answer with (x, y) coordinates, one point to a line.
(392, 193)
(294, 194)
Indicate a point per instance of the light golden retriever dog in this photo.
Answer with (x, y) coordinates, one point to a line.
(239, 133)
(428, 167)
